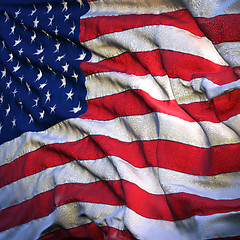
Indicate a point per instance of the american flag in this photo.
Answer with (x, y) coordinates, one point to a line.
(120, 119)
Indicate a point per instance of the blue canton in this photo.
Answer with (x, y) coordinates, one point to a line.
(41, 82)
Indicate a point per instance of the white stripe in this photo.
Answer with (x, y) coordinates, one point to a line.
(153, 180)
(230, 51)
(233, 123)
(211, 8)
(130, 128)
(121, 7)
(219, 225)
(194, 228)
(66, 216)
(109, 83)
(120, 217)
(151, 38)
(211, 89)
(160, 88)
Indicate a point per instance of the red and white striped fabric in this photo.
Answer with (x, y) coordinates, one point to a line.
(157, 154)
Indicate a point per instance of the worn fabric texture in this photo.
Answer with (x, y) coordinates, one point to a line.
(120, 119)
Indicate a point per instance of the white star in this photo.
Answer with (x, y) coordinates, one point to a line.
(12, 29)
(8, 110)
(67, 17)
(51, 20)
(20, 51)
(64, 82)
(57, 46)
(15, 69)
(1, 99)
(76, 109)
(9, 83)
(75, 76)
(7, 17)
(51, 69)
(31, 119)
(59, 58)
(35, 22)
(65, 8)
(21, 104)
(17, 13)
(4, 45)
(72, 30)
(41, 114)
(41, 59)
(81, 56)
(69, 95)
(39, 75)
(4, 72)
(53, 108)
(39, 51)
(33, 11)
(22, 23)
(48, 95)
(36, 102)
(21, 78)
(14, 122)
(56, 31)
(65, 67)
(33, 37)
(14, 92)
(28, 87)
(1, 126)
(29, 60)
(43, 85)
(17, 41)
(30, 63)
(10, 57)
(49, 8)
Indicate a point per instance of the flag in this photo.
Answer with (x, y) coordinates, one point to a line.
(120, 119)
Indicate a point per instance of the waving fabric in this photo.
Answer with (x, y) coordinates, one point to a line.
(120, 119)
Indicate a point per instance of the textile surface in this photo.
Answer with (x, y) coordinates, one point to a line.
(120, 119)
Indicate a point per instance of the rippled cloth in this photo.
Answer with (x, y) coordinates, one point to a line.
(131, 119)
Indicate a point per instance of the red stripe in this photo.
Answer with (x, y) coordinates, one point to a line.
(89, 232)
(96, 26)
(223, 28)
(227, 105)
(139, 103)
(162, 62)
(222, 108)
(140, 64)
(226, 238)
(92, 232)
(199, 161)
(171, 207)
(188, 67)
(237, 71)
